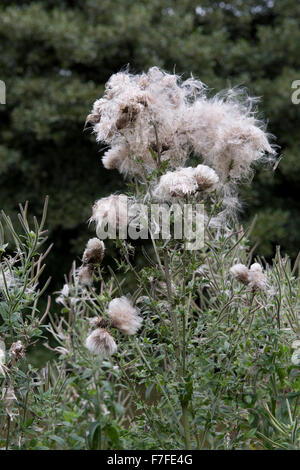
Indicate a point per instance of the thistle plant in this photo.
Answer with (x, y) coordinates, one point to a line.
(202, 338)
(172, 347)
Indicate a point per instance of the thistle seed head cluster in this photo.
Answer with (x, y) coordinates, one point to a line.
(155, 120)
(253, 277)
(157, 111)
(123, 316)
(92, 257)
(139, 114)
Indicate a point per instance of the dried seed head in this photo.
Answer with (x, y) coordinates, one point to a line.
(255, 267)
(9, 281)
(178, 183)
(113, 158)
(240, 272)
(223, 130)
(101, 343)
(226, 133)
(85, 275)
(111, 210)
(98, 322)
(17, 350)
(253, 277)
(185, 181)
(257, 279)
(94, 252)
(206, 177)
(124, 316)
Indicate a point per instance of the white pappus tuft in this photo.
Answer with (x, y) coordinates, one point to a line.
(124, 316)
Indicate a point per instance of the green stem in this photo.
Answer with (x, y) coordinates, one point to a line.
(8, 433)
(186, 427)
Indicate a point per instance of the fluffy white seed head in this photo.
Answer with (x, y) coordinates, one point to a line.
(85, 275)
(9, 397)
(179, 183)
(101, 343)
(256, 267)
(227, 135)
(240, 272)
(124, 316)
(296, 357)
(257, 279)
(63, 295)
(6, 279)
(156, 111)
(253, 277)
(206, 178)
(114, 157)
(9, 280)
(139, 114)
(111, 211)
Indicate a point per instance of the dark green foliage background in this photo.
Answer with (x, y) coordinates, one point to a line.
(55, 57)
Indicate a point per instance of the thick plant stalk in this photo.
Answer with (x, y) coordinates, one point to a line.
(181, 351)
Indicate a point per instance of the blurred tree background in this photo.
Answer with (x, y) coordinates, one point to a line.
(55, 57)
